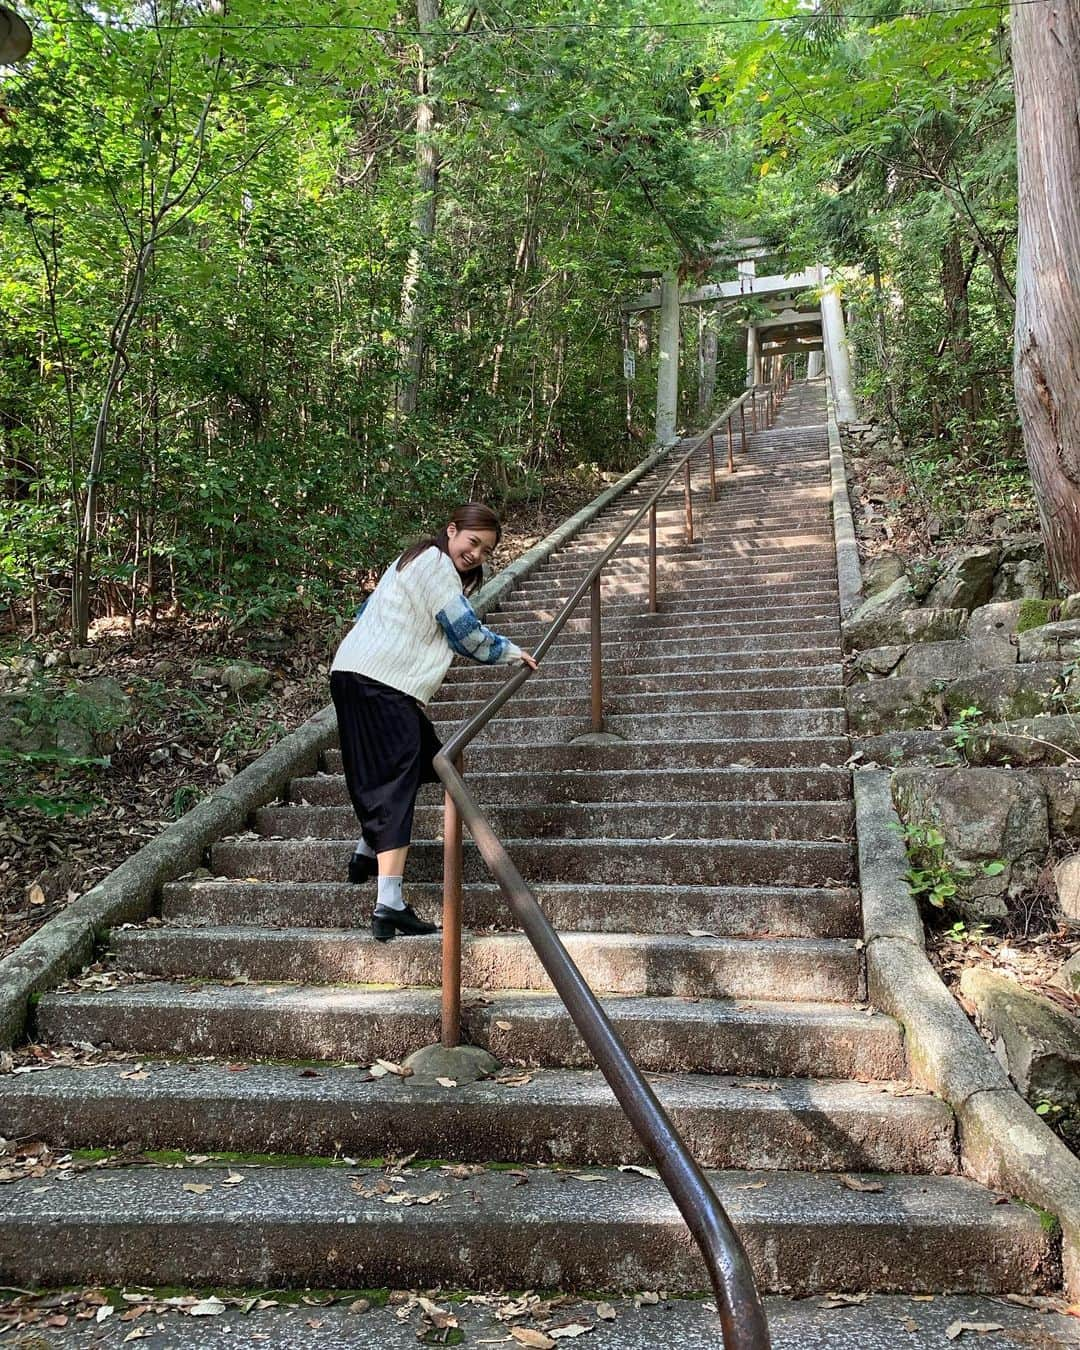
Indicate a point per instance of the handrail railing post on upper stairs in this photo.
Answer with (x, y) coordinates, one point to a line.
(742, 1317)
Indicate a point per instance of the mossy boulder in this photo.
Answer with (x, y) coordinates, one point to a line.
(993, 629)
(1037, 1042)
(882, 571)
(1008, 692)
(940, 660)
(1050, 739)
(895, 704)
(1051, 642)
(877, 661)
(986, 816)
(903, 627)
(1033, 613)
(1021, 581)
(968, 579)
(1062, 788)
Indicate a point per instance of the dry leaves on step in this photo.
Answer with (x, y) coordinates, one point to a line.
(504, 1026)
(650, 1172)
(568, 1331)
(753, 1186)
(233, 1179)
(647, 1298)
(196, 1188)
(514, 1079)
(605, 1312)
(843, 1300)
(701, 932)
(857, 1184)
(588, 1176)
(535, 1339)
(957, 1329)
(207, 1307)
(382, 1067)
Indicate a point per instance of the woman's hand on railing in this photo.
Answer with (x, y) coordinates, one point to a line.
(527, 659)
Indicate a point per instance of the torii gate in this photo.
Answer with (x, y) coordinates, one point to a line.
(793, 329)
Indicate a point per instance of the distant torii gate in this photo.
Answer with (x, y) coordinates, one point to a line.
(793, 329)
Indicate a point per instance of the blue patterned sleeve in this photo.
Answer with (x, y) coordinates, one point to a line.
(468, 637)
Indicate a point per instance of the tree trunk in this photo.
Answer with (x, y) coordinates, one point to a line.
(1046, 357)
(707, 344)
(423, 221)
(955, 277)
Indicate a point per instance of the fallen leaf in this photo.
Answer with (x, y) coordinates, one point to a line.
(233, 1179)
(855, 1184)
(640, 1171)
(138, 1334)
(504, 1026)
(568, 1331)
(605, 1312)
(588, 1176)
(753, 1186)
(196, 1188)
(843, 1300)
(358, 1305)
(957, 1329)
(35, 895)
(236, 1068)
(105, 1311)
(207, 1307)
(536, 1339)
(196, 1158)
(388, 1066)
(701, 932)
(446, 1082)
(649, 1297)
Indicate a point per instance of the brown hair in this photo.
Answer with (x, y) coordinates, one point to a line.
(471, 516)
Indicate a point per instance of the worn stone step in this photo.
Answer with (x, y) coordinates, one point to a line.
(647, 820)
(700, 638)
(731, 752)
(326, 1228)
(551, 702)
(722, 563)
(648, 663)
(624, 963)
(714, 726)
(557, 1115)
(696, 862)
(543, 684)
(723, 599)
(705, 626)
(682, 785)
(724, 910)
(666, 1035)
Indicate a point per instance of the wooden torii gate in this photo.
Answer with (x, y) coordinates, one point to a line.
(795, 328)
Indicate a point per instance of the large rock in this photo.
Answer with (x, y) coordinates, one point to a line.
(881, 572)
(903, 626)
(1051, 642)
(1023, 547)
(1037, 1042)
(892, 599)
(993, 628)
(1022, 580)
(1067, 883)
(1009, 692)
(1051, 739)
(943, 660)
(985, 816)
(74, 718)
(968, 579)
(239, 677)
(1062, 788)
(894, 704)
(1068, 977)
(877, 661)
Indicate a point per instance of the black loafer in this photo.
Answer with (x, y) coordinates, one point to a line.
(387, 923)
(362, 868)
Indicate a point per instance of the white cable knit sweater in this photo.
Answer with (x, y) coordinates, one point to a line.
(413, 623)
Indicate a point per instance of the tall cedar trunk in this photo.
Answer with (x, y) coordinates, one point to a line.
(423, 221)
(1046, 359)
(707, 345)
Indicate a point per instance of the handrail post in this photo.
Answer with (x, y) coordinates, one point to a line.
(742, 425)
(596, 657)
(689, 504)
(451, 925)
(753, 410)
(730, 448)
(712, 467)
(652, 558)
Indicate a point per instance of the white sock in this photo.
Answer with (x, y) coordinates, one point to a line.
(363, 848)
(389, 896)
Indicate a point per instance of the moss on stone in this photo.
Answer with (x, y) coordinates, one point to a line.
(1034, 613)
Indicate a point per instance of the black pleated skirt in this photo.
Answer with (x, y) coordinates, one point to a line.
(387, 745)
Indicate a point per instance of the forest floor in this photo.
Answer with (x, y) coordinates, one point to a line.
(184, 737)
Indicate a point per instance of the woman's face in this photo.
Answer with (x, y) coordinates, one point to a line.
(470, 548)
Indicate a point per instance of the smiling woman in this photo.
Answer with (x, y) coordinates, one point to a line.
(389, 665)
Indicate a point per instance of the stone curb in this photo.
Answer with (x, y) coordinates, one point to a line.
(849, 573)
(127, 894)
(1003, 1143)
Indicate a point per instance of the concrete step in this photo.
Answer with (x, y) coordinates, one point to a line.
(771, 600)
(666, 1035)
(731, 664)
(552, 702)
(545, 684)
(624, 963)
(724, 910)
(706, 622)
(695, 862)
(557, 1115)
(682, 785)
(324, 1227)
(711, 726)
(603, 820)
(731, 752)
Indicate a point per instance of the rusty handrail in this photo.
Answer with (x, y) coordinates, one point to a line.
(742, 1317)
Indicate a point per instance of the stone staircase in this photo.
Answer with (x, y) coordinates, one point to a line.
(702, 874)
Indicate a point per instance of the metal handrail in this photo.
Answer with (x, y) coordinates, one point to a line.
(742, 1316)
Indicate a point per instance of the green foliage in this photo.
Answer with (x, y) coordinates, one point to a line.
(964, 726)
(930, 875)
